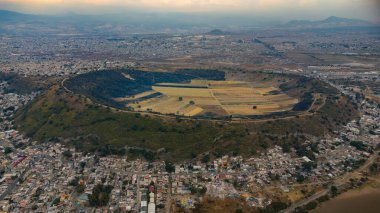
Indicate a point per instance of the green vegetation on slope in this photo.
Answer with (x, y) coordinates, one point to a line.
(58, 115)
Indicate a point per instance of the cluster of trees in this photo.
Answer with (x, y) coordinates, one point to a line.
(308, 166)
(2, 173)
(147, 154)
(37, 194)
(111, 150)
(79, 188)
(100, 195)
(374, 168)
(303, 150)
(56, 201)
(205, 158)
(359, 145)
(275, 206)
(74, 182)
(334, 191)
(169, 167)
(198, 190)
(67, 154)
(300, 178)
(8, 150)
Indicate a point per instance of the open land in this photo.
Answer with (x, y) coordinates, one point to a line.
(364, 200)
(222, 98)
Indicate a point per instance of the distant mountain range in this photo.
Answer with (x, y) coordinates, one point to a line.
(6, 16)
(331, 21)
(140, 22)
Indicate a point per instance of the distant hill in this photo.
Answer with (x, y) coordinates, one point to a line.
(15, 23)
(331, 21)
(6, 16)
(128, 21)
(216, 32)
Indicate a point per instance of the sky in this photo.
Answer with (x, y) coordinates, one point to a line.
(278, 9)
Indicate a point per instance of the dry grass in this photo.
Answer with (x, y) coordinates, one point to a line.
(192, 110)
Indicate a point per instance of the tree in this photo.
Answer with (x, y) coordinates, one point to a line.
(308, 166)
(205, 158)
(334, 191)
(300, 178)
(311, 205)
(67, 154)
(55, 201)
(82, 164)
(74, 182)
(100, 195)
(169, 167)
(8, 150)
(191, 102)
(80, 188)
(286, 148)
(359, 145)
(198, 190)
(275, 206)
(373, 168)
(180, 98)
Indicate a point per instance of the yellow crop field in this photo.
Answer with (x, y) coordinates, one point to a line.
(179, 91)
(192, 110)
(218, 97)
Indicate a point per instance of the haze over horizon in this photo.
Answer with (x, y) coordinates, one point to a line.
(266, 9)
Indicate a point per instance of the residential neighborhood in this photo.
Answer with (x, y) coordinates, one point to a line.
(53, 178)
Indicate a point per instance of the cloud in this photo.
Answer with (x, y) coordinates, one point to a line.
(290, 8)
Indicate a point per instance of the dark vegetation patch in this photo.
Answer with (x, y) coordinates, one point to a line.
(104, 86)
(305, 103)
(359, 145)
(100, 196)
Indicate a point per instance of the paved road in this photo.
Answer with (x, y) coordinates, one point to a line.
(138, 175)
(14, 184)
(169, 198)
(338, 182)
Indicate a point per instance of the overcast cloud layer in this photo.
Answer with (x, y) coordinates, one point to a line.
(281, 9)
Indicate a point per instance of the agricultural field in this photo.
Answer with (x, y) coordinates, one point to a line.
(218, 98)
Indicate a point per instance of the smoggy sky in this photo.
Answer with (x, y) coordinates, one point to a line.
(281, 9)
